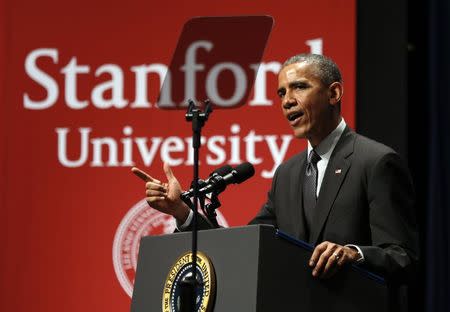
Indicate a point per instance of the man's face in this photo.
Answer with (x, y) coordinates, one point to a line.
(305, 100)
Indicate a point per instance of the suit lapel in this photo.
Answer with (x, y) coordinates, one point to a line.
(334, 177)
(296, 200)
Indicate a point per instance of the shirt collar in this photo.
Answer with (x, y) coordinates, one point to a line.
(326, 147)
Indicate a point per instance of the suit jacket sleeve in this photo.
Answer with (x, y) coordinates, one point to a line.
(266, 214)
(390, 195)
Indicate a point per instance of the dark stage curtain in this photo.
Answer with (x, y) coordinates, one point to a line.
(437, 249)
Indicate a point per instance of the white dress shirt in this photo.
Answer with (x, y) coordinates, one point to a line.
(324, 150)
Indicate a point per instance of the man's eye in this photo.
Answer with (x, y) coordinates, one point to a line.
(281, 94)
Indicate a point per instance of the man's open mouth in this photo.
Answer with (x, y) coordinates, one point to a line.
(294, 116)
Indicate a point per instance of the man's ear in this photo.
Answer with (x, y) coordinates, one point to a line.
(336, 90)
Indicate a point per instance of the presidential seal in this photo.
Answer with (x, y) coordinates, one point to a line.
(182, 271)
(141, 220)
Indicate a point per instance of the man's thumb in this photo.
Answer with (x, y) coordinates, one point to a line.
(168, 172)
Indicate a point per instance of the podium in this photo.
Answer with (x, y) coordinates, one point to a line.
(257, 268)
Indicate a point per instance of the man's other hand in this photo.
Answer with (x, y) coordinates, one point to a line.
(328, 258)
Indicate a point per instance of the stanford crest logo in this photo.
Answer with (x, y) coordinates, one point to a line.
(141, 220)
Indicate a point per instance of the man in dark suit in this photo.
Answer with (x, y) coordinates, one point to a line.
(348, 195)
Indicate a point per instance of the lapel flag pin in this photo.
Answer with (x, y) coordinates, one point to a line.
(338, 171)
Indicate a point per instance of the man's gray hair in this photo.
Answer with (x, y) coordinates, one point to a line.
(326, 69)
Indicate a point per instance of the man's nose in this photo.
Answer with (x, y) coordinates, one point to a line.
(289, 101)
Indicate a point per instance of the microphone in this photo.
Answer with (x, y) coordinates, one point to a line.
(218, 183)
(222, 171)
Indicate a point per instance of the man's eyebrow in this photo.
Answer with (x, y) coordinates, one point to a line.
(298, 83)
(293, 84)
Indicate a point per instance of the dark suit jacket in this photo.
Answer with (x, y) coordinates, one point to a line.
(366, 199)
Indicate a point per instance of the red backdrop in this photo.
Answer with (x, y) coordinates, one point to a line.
(68, 243)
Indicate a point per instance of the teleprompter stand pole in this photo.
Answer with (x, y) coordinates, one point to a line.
(189, 286)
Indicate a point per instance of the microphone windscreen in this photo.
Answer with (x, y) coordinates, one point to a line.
(222, 171)
(243, 171)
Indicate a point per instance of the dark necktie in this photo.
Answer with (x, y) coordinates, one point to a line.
(310, 187)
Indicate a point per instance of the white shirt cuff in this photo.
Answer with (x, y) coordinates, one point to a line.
(185, 225)
(361, 255)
